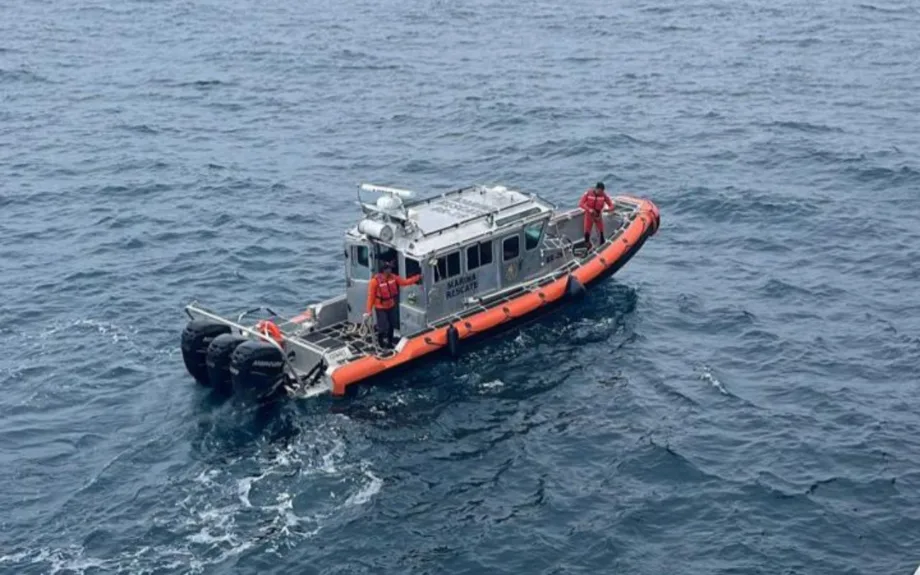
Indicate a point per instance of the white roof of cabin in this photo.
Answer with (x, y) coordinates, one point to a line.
(456, 217)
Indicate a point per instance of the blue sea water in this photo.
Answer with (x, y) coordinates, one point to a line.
(739, 399)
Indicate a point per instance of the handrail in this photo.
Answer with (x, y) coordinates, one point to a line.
(470, 219)
(255, 333)
(490, 234)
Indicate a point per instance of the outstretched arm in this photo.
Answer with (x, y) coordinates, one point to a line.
(408, 281)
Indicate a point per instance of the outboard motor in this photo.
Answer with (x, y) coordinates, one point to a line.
(256, 370)
(218, 361)
(196, 337)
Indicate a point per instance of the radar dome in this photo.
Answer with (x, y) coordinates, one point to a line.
(389, 202)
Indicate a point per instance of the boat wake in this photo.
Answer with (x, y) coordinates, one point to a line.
(266, 501)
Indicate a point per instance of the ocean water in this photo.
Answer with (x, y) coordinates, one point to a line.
(739, 399)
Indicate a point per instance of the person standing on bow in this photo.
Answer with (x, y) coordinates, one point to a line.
(382, 297)
(593, 202)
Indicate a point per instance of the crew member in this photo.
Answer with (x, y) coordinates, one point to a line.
(382, 297)
(593, 202)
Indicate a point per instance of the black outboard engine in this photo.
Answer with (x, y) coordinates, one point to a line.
(196, 337)
(257, 370)
(218, 361)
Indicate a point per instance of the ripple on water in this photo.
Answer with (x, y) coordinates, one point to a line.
(739, 397)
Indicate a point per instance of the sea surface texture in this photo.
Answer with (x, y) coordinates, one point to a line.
(739, 399)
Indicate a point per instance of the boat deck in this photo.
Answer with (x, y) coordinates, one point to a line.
(343, 334)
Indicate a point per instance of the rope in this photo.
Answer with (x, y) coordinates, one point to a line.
(364, 331)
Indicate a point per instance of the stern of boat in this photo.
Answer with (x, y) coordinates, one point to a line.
(258, 354)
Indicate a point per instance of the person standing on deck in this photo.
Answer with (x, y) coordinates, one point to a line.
(593, 202)
(382, 296)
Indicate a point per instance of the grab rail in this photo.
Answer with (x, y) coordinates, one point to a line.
(243, 329)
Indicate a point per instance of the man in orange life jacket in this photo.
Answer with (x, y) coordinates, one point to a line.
(593, 202)
(382, 297)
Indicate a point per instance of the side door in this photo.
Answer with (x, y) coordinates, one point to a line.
(480, 262)
(531, 256)
(510, 250)
(358, 272)
(442, 296)
(413, 301)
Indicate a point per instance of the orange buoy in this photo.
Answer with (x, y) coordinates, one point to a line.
(269, 329)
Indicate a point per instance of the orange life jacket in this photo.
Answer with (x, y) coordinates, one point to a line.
(387, 288)
(595, 201)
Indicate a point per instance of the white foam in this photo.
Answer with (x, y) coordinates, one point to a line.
(494, 384)
(244, 486)
(713, 380)
(329, 459)
(78, 563)
(122, 336)
(286, 522)
(207, 476)
(14, 557)
(211, 502)
(70, 559)
(205, 537)
(197, 566)
(366, 492)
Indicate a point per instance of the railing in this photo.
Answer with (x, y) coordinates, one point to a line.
(193, 307)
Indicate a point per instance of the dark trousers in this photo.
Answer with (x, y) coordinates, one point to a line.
(386, 323)
(590, 221)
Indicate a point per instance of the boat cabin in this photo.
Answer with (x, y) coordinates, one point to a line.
(465, 244)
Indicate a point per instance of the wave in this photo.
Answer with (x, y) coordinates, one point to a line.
(803, 126)
(775, 288)
(737, 205)
(905, 9)
(22, 75)
(905, 175)
(142, 129)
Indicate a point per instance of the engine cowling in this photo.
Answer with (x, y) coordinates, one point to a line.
(218, 361)
(256, 370)
(196, 338)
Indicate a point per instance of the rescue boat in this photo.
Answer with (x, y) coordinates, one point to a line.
(487, 257)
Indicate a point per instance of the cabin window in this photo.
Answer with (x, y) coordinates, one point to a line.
(472, 258)
(440, 272)
(532, 235)
(511, 248)
(485, 253)
(478, 255)
(448, 266)
(361, 254)
(360, 265)
(453, 264)
(412, 267)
